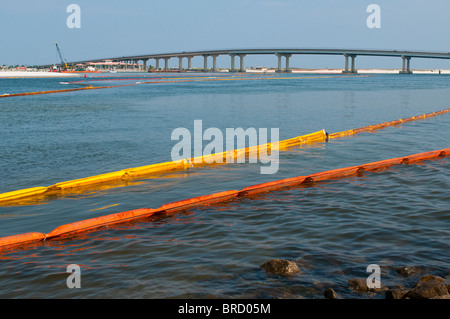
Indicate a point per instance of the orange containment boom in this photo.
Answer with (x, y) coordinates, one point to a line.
(174, 80)
(71, 229)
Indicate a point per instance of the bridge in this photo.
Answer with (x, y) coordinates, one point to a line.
(283, 53)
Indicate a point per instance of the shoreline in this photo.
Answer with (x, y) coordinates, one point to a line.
(36, 74)
(373, 71)
(47, 74)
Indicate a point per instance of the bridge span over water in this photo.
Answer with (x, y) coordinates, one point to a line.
(282, 53)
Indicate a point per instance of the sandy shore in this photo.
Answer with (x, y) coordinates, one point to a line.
(36, 74)
(46, 74)
(372, 71)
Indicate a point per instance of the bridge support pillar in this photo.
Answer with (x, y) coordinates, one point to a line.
(145, 64)
(279, 62)
(352, 70)
(180, 63)
(189, 62)
(287, 69)
(157, 64)
(214, 68)
(241, 63)
(205, 63)
(406, 70)
(166, 64)
(286, 57)
(232, 68)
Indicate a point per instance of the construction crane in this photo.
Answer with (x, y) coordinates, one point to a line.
(64, 64)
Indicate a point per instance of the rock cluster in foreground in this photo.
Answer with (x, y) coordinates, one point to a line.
(428, 286)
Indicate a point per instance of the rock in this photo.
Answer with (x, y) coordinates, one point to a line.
(431, 277)
(329, 293)
(397, 292)
(281, 267)
(360, 285)
(447, 296)
(408, 271)
(428, 288)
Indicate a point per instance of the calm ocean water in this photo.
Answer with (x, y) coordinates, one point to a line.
(334, 230)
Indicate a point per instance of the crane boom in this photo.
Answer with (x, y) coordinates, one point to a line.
(60, 56)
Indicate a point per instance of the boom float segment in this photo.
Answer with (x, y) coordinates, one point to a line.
(21, 239)
(11, 242)
(93, 223)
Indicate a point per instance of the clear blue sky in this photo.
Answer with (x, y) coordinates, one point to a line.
(109, 28)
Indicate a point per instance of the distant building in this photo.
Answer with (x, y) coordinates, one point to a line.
(110, 65)
(259, 69)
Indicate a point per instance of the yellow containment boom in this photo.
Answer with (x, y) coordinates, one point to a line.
(119, 178)
(123, 177)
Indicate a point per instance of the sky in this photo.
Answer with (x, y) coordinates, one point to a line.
(111, 28)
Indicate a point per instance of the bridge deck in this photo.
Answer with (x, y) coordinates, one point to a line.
(391, 53)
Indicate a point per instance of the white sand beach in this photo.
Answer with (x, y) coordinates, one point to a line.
(372, 71)
(37, 74)
(47, 74)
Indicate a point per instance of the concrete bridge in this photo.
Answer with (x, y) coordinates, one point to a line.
(282, 54)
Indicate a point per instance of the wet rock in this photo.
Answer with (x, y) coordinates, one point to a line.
(281, 267)
(360, 285)
(429, 287)
(447, 296)
(329, 293)
(397, 292)
(408, 271)
(431, 277)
